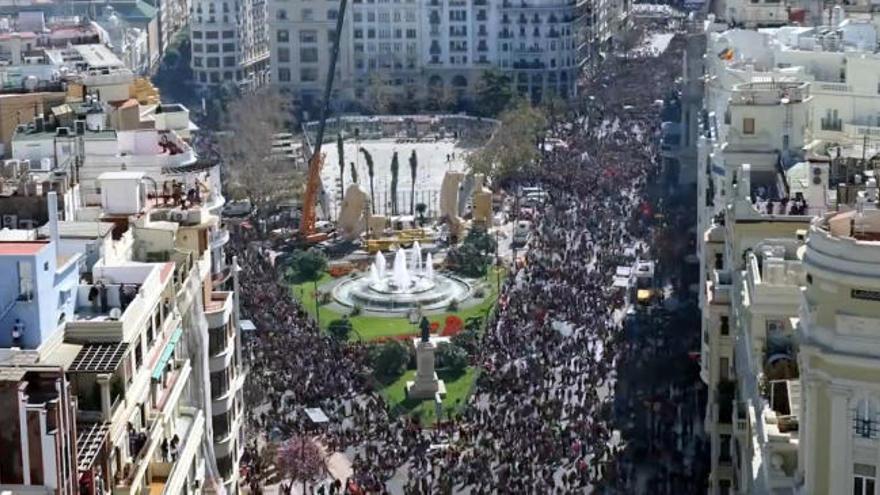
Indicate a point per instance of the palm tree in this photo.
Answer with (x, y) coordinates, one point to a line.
(413, 166)
(354, 173)
(369, 159)
(395, 170)
(340, 151)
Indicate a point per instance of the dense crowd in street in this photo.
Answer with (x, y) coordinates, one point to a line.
(541, 418)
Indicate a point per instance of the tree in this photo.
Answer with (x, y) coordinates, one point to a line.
(354, 173)
(413, 167)
(299, 459)
(388, 359)
(370, 172)
(340, 151)
(421, 208)
(340, 329)
(451, 357)
(473, 257)
(308, 265)
(469, 338)
(494, 92)
(253, 120)
(512, 151)
(378, 95)
(395, 172)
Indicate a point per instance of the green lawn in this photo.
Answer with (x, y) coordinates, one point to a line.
(458, 387)
(374, 327)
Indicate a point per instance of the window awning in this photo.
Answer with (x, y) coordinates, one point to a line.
(166, 354)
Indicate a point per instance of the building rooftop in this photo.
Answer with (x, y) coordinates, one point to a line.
(79, 230)
(29, 248)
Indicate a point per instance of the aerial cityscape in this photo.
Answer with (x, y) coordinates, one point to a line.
(412, 247)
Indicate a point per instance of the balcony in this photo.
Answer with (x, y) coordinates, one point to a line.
(189, 428)
(860, 131)
(719, 287)
(218, 309)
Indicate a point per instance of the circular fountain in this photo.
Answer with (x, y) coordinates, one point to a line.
(410, 284)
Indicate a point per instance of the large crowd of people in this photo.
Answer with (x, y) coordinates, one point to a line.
(541, 417)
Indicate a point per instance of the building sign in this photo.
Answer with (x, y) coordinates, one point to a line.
(867, 295)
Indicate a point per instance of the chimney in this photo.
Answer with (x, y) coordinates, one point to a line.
(53, 218)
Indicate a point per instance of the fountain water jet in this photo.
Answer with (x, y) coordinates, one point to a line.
(429, 268)
(399, 272)
(411, 283)
(379, 263)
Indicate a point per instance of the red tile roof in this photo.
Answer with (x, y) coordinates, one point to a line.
(21, 248)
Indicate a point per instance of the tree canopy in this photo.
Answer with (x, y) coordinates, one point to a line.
(513, 150)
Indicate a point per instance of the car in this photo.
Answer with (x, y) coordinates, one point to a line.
(237, 208)
(521, 231)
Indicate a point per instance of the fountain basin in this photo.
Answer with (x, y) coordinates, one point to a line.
(385, 295)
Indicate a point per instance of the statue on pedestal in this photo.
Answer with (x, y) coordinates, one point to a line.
(426, 384)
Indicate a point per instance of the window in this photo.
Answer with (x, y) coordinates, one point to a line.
(331, 36)
(213, 62)
(332, 14)
(724, 450)
(228, 35)
(308, 37)
(308, 55)
(725, 325)
(283, 54)
(215, 77)
(748, 125)
(308, 15)
(283, 35)
(281, 15)
(308, 74)
(864, 479)
(213, 48)
(228, 47)
(198, 48)
(865, 419)
(229, 61)
(197, 61)
(211, 35)
(358, 34)
(197, 35)
(724, 368)
(831, 121)
(25, 281)
(284, 74)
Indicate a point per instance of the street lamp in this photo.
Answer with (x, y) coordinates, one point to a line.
(317, 306)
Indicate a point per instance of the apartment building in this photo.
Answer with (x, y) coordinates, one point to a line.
(124, 305)
(599, 23)
(229, 43)
(786, 202)
(426, 48)
(301, 37)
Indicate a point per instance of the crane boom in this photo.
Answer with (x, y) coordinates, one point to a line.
(307, 223)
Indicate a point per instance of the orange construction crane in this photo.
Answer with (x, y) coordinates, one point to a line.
(316, 162)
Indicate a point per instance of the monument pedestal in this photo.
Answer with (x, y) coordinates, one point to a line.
(426, 384)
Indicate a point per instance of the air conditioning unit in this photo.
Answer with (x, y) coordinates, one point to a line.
(10, 221)
(114, 314)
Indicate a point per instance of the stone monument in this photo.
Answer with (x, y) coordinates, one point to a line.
(426, 384)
